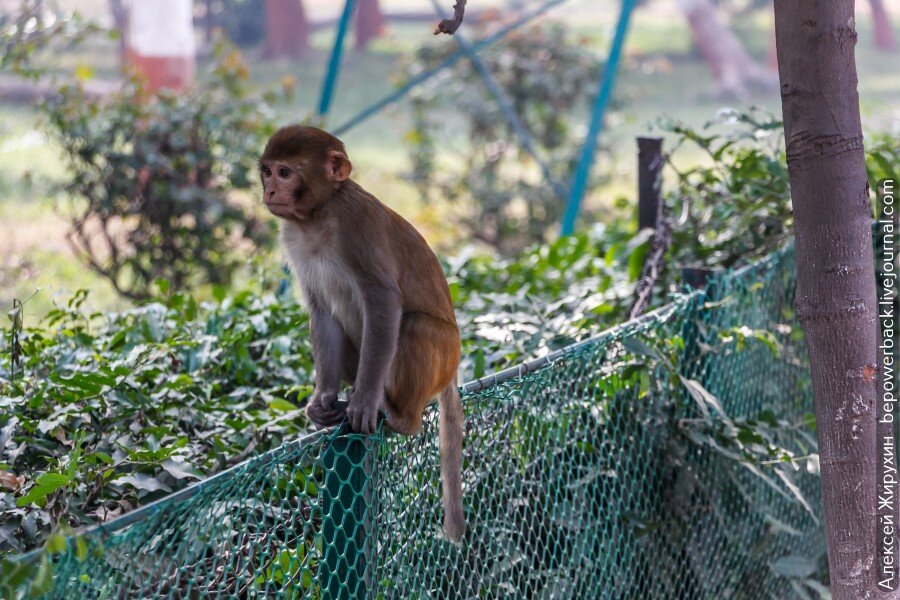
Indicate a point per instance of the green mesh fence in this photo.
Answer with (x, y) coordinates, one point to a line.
(580, 481)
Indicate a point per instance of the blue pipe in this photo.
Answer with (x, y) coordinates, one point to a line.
(600, 105)
(506, 107)
(448, 62)
(334, 64)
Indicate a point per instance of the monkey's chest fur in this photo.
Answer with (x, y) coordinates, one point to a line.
(325, 281)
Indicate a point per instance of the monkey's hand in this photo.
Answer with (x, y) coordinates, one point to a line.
(324, 410)
(362, 412)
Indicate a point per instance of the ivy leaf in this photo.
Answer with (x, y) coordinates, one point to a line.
(143, 482)
(178, 470)
(280, 405)
(794, 566)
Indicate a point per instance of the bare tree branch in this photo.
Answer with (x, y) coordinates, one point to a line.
(449, 26)
(654, 265)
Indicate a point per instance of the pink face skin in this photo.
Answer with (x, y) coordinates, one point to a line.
(288, 193)
(280, 184)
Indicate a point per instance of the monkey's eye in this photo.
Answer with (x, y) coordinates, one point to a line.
(267, 171)
(284, 172)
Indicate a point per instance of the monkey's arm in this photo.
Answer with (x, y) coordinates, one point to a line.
(381, 330)
(327, 343)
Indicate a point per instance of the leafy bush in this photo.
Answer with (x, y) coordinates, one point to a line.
(736, 206)
(103, 413)
(243, 21)
(150, 179)
(552, 295)
(507, 203)
(25, 33)
(882, 162)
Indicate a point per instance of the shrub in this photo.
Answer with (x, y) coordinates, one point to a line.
(101, 413)
(735, 205)
(506, 201)
(150, 179)
(27, 33)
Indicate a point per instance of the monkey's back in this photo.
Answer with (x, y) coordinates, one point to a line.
(415, 268)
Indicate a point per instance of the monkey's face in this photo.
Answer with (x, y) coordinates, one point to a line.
(285, 189)
(295, 188)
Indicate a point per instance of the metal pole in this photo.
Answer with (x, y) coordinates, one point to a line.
(650, 163)
(347, 531)
(602, 101)
(334, 64)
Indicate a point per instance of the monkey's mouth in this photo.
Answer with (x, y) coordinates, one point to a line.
(279, 208)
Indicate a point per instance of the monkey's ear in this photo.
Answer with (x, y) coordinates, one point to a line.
(338, 166)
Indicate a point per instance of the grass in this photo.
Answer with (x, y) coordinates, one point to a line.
(660, 75)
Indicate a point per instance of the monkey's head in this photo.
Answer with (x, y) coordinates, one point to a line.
(301, 169)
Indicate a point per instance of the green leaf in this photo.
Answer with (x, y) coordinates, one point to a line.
(101, 456)
(43, 580)
(281, 405)
(794, 566)
(53, 481)
(55, 544)
(178, 470)
(81, 549)
(143, 482)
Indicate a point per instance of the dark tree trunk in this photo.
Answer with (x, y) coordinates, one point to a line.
(287, 29)
(884, 34)
(835, 272)
(736, 72)
(209, 19)
(369, 23)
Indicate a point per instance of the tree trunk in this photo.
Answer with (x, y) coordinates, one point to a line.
(369, 23)
(287, 29)
(209, 20)
(161, 42)
(835, 272)
(736, 72)
(884, 34)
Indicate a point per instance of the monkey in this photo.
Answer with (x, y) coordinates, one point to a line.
(380, 310)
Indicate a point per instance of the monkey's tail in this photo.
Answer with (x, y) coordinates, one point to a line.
(451, 421)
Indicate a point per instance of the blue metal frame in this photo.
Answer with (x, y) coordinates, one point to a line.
(600, 105)
(448, 62)
(575, 194)
(334, 64)
(506, 106)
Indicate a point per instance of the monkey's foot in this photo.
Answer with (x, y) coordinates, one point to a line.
(326, 411)
(362, 413)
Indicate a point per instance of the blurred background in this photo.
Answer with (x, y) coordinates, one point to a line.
(73, 73)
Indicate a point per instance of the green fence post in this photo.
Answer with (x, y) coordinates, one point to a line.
(347, 518)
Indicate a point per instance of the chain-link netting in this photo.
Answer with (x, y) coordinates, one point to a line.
(603, 474)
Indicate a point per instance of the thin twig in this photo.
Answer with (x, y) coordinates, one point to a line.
(654, 265)
(449, 26)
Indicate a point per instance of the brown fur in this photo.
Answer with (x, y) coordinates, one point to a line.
(380, 309)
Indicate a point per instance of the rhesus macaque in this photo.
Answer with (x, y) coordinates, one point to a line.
(380, 309)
